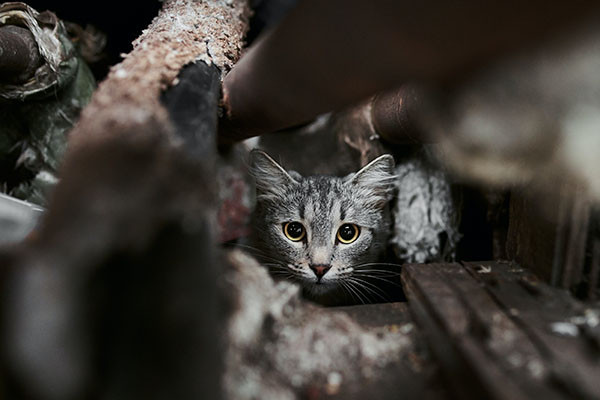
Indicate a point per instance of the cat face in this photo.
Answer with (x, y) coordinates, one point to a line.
(320, 230)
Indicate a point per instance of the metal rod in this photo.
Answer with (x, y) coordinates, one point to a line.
(19, 55)
(330, 54)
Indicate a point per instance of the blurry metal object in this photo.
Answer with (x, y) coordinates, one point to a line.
(326, 55)
(19, 56)
(17, 219)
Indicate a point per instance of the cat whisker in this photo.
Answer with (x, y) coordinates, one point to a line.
(344, 286)
(369, 276)
(353, 293)
(376, 263)
(279, 270)
(378, 272)
(372, 285)
(353, 288)
(369, 287)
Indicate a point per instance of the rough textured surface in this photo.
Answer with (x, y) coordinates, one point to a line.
(236, 195)
(281, 347)
(426, 216)
(183, 32)
(104, 301)
(37, 113)
(500, 333)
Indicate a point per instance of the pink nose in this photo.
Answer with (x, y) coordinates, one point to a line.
(320, 270)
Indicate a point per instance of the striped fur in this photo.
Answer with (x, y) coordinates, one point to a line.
(322, 204)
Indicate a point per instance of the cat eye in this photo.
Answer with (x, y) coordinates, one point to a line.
(348, 233)
(294, 231)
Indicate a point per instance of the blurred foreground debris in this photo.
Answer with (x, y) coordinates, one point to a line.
(533, 118)
(116, 294)
(43, 88)
(281, 347)
(17, 219)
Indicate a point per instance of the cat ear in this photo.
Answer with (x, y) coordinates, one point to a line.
(271, 178)
(375, 180)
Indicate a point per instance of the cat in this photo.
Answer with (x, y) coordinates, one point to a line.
(326, 233)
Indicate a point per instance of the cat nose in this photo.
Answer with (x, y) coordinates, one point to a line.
(320, 269)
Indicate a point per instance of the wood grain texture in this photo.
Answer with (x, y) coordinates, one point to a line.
(500, 333)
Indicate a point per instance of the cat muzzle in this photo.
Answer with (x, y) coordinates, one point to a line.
(320, 270)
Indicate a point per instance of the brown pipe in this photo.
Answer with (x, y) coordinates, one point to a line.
(394, 115)
(19, 55)
(327, 55)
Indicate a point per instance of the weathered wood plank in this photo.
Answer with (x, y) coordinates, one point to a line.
(456, 338)
(559, 325)
(548, 234)
(534, 241)
(480, 324)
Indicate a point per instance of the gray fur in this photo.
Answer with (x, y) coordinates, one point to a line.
(322, 204)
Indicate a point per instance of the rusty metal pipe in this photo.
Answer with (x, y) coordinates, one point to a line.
(19, 55)
(329, 54)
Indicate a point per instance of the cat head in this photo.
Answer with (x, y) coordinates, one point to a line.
(321, 230)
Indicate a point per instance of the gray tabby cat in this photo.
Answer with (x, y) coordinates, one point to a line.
(326, 233)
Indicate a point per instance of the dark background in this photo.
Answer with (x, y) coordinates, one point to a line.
(121, 21)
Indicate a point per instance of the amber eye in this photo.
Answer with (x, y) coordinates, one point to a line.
(348, 233)
(294, 231)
